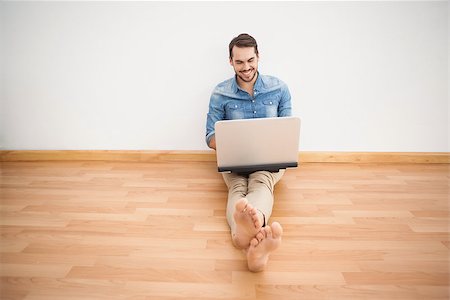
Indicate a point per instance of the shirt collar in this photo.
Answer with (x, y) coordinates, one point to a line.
(258, 83)
(257, 87)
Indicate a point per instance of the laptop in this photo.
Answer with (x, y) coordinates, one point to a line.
(263, 144)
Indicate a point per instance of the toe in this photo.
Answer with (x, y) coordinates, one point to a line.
(276, 229)
(241, 205)
(249, 208)
(268, 231)
(254, 242)
(255, 217)
(256, 223)
(260, 236)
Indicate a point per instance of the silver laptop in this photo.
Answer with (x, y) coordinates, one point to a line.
(264, 144)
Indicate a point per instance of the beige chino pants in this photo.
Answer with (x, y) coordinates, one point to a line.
(257, 188)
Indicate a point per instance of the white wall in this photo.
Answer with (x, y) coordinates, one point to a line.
(364, 76)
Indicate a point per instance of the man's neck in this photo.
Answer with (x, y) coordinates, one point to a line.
(247, 86)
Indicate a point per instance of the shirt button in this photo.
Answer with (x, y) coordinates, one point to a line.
(270, 102)
(253, 101)
(254, 112)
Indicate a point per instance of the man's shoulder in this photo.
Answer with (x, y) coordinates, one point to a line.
(226, 86)
(270, 82)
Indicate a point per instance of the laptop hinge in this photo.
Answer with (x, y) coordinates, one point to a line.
(255, 168)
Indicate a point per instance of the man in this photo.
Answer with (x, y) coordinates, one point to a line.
(250, 196)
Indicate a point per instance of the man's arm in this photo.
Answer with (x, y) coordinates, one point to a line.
(212, 142)
(216, 113)
(284, 108)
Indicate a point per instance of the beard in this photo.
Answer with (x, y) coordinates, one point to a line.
(247, 80)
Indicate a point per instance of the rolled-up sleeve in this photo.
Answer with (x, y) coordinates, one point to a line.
(285, 108)
(216, 113)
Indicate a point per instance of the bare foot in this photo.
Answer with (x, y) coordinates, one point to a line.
(266, 241)
(248, 223)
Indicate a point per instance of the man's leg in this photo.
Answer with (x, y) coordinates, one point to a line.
(260, 195)
(243, 219)
(237, 189)
(260, 191)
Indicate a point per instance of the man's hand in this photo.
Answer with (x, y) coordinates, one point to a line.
(212, 142)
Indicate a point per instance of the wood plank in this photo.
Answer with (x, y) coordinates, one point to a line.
(209, 156)
(400, 278)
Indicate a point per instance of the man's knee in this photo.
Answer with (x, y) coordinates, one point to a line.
(261, 178)
(238, 185)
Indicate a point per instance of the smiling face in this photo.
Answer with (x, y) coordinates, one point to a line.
(244, 60)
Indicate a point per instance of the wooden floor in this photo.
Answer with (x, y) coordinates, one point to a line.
(113, 230)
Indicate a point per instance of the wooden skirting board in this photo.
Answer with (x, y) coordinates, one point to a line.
(209, 155)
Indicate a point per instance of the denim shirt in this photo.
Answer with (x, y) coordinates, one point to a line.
(271, 98)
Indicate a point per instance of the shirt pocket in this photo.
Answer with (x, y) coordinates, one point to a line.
(234, 110)
(271, 108)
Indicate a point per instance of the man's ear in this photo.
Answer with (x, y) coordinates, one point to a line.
(231, 61)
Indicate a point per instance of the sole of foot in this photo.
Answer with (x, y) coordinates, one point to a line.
(248, 223)
(267, 240)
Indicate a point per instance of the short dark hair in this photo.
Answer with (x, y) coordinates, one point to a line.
(243, 40)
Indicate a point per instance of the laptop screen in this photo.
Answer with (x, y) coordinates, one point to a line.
(264, 144)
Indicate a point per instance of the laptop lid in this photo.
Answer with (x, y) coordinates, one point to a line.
(263, 144)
